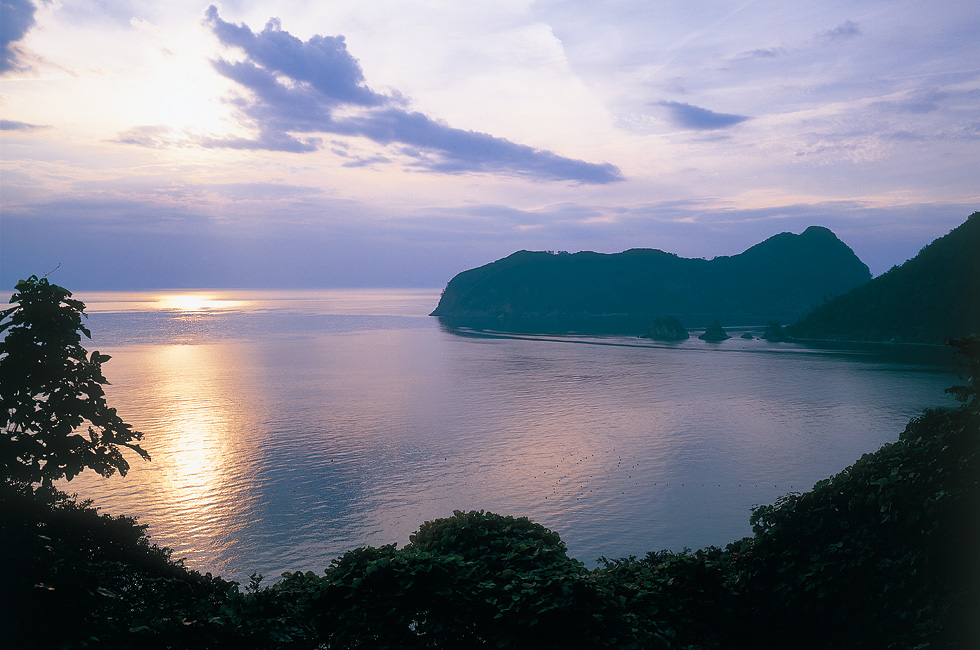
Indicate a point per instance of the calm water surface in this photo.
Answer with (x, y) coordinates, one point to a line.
(289, 427)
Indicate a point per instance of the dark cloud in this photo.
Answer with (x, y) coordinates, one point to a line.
(695, 117)
(13, 125)
(16, 18)
(300, 88)
(846, 29)
(322, 62)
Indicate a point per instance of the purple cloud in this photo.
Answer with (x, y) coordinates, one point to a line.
(846, 29)
(761, 53)
(16, 18)
(14, 125)
(695, 117)
(322, 62)
(297, 86)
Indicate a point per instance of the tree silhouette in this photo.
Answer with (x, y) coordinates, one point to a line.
(56, 421)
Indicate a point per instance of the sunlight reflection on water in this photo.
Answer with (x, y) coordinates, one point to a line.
(296, 426)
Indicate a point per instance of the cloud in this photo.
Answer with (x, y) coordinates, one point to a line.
(695, 117)
(272, 234)
(298, 89)
(154, 137)
(14, 125)
(846, 29)
(761, 53)
(924, 101)
(16, 18)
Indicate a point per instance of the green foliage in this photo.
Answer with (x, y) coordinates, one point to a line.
(75, 578)
(57, 421)
(686, 597)
(473, 580)
(967, 351)
(869, 548)
(888, 549)
(497, 541)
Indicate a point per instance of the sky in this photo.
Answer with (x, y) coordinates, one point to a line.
(358, 143)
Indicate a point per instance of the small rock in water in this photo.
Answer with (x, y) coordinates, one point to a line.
(714, 333)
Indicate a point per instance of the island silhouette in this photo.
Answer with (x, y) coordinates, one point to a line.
(780, 279)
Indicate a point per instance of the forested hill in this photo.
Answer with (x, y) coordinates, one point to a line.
(781, 279)
(933, 296)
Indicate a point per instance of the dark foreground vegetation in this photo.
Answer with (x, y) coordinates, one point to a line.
(885, 554)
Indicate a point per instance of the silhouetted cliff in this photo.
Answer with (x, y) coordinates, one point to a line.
(781, 279)
(933, 296)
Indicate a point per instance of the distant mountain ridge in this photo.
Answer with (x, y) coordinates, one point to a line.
(781, 278)
(933, 296)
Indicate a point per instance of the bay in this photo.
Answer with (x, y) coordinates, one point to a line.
(288, 427)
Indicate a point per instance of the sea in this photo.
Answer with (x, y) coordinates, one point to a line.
(288, 427)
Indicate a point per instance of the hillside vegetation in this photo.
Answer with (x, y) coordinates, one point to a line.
(933, 296)
(779, 279)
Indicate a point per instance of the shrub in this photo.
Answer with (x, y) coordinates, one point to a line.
(472, 580)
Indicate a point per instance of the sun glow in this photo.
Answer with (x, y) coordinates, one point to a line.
(203, 408)
(178, 92)
(196, 303)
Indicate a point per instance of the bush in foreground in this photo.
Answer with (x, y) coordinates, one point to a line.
(75, 578)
